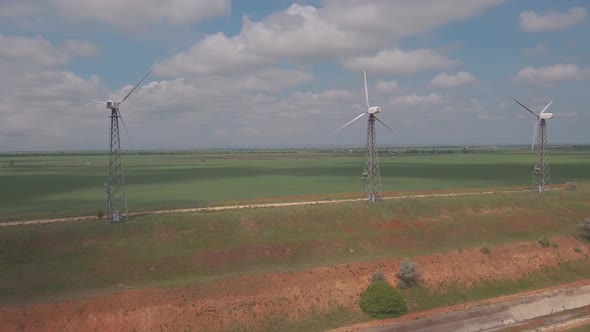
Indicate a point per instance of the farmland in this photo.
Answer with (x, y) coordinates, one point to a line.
(56, 185)
(249, 261)
(278, 268)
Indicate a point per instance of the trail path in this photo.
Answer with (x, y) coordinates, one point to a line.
(261, 205)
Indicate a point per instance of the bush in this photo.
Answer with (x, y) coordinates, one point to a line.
(381, 300)
(485, 249)
(100, 214)
(408, 274)
(578, 250)
(584, 230)
(544, 242)
(378, 276)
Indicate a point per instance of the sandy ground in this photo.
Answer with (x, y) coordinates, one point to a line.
(263, 205)
(261, 301)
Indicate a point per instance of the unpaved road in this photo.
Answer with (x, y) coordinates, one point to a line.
(263, 205)
(494, 316)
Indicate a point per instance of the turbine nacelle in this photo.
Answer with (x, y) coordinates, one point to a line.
(113, 105)
(545, 116)
(374, 110)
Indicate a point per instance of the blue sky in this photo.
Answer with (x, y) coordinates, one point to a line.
(274, 73)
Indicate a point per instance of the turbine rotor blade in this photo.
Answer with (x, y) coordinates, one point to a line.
(383, 123)
(526, 108)
(135, 87)
(353, 120)
(127, 133)
(546, 107)
(94, 101)
(535, 131)
(366, 89)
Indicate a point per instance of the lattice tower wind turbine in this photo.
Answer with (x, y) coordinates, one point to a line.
(541, 172)
(371, 174)
(117, 210)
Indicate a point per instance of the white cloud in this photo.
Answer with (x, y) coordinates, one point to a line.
(398, 61)
(40, 51)
(550, 74)
(215, 54)
(339, 30)
(386, 87)
(136, 13)
(444, 80)
(18, 8)
(531, 21)
(415, 100)
(81, 47)
(36, 50)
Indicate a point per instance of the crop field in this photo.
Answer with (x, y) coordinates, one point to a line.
(57, 185)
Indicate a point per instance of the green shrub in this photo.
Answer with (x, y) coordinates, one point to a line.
(578, 250)
(100, 214)
(408, 274)
(544, 242)
(378, 276)
(381, 300)
(584, 230)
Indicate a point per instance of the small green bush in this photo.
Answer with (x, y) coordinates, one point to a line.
(408, 274)
(485, 249)
(544, 242)
(578, 250)
(378, 276)
(381, 300)
(583, 231)
(100, 214)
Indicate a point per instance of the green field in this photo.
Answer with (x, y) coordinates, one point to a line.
(55, 185)
(40, 262)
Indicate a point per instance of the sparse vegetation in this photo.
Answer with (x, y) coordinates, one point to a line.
(544, 242)
(485, 249)
(583, 231)
(408, 275)
(381, 300)
(378, 276)
(578, 249)
(571, 185)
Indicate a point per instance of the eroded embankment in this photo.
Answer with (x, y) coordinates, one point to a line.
(269, 300)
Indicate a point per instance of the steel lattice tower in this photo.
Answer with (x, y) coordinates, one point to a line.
(115, 186)
(541, 174)
(371, 175)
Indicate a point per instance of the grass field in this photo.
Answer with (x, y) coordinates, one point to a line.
(53, 261)
(47, 186)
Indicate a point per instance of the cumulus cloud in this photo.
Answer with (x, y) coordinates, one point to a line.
(444, 80)
(531, 21)
(398, 61)
(135, 13)
(40, 51)
(386, 87)
(550, 74)
(415, 100)
(338, 30)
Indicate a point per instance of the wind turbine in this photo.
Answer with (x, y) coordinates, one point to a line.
(115, 186)
(371, 174)
(541, 174)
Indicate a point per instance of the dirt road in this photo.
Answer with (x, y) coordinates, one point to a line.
(262, 205)
(497, 316)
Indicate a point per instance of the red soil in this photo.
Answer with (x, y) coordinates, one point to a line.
(250, 302)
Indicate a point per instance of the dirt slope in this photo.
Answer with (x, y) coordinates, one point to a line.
(259, 301)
